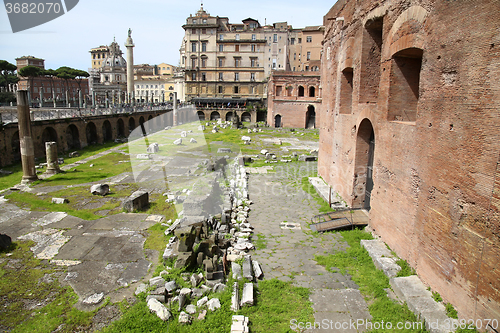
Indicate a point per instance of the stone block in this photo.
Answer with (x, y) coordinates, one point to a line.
(256, 269)
(59, 201)
(99, 189)
(191, 309)
(137, 201)
(213, 304)
(235, 298)
(157, 281)
(141, 289)
(178, 142)
(184, 318)
(161, 311)
(247, 295)
(153, 148)
(247, 268)
(202, 301)
(236, 269)
(170, 286)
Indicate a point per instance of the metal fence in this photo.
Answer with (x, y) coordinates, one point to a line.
(7, 117)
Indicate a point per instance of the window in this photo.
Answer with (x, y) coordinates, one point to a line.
(371, 51)
(236, 48)
(193, 47)
(312, 92)
(279, 50)
(253, 62)
(193, 63)
(204, 47)
(346, 91)
(221, 37)
(309, 39)
(221, 48)
(93, 56)
(274, 63)
(252, 76)
(404, 90)
(204, 21)
(301, 91)
(292, 41)
(254, 37)
(204, 31)
(253, 47)
(237, 37)
(221, 62)
(236, 62)
(236, 90)
(278, 90)
(99, 56)
(193, 31)
(307, 68)
(236, 76)
(147, 86)
(194, 21)
(308, 55)
(203, 76)
(295, 56)
(203, 62)
(220, 90)
(300, 40)
(193, 76)
(275, 38)
(221, 76)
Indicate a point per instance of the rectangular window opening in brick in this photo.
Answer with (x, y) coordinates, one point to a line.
(370, 61)
(405, 80)
(346, 91)
(278, 90)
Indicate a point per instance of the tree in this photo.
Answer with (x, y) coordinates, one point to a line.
(50, 73)
(7, 71)
(65, 73)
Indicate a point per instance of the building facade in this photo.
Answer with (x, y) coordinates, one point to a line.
(108, 82)
(49, 89)
(293, 99)
(98, 55)
(409, 130)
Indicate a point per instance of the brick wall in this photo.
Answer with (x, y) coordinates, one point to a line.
(430, 88)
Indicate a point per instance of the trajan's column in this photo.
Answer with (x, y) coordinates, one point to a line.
(129, 44)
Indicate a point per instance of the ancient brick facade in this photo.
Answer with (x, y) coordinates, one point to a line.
(411, 104)
(293, 99)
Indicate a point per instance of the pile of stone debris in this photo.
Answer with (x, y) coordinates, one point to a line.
(216, 243)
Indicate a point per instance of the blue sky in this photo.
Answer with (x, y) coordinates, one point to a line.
(156, 24)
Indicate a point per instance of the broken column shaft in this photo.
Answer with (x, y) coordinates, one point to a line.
(52, 162)
(25, 139)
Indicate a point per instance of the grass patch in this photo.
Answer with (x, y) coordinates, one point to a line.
(436, 296)
(110, 204)
(357, 262)
(406, 269)
(104, 167)
(324, 207)
(450, 311)
(32, 299)
(261, 242)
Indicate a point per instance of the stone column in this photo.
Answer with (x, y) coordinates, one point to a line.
(54, 97)
(25, 139)
(79, 98)
(41, 97)
(93, 99)
(175, 109)
(129, 44)
(68, 104)
(52, 162)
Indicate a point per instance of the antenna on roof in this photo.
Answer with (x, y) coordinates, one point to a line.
(202, 5)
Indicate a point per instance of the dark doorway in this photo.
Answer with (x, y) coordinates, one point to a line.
(91, 133)
(16, 147)
(214, 115)
(246, 117)
(310, 117)
(277, 121)
(73, 137)
(229, 116)
(49, 135)
(107, 135)
(201, 115)
(131, 125)
(121, 128)
(363, 172)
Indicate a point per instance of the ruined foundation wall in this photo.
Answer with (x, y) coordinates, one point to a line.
(433, 101)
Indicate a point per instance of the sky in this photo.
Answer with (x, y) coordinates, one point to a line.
(156, 27)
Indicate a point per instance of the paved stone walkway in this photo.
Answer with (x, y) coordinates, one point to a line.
(279, 203)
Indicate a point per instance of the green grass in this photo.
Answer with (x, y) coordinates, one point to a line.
(23, 285)
(75, 195)
(103, 167)
(277, 303)
(7, 181)
(324, 207)
(261, 242)
(406, 269)
(450, 311)
(371, 281)
(436, 296)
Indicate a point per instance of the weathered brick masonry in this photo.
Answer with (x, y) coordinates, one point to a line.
(418, 84)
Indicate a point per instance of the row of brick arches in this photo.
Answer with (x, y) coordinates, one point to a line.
(82, 133)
